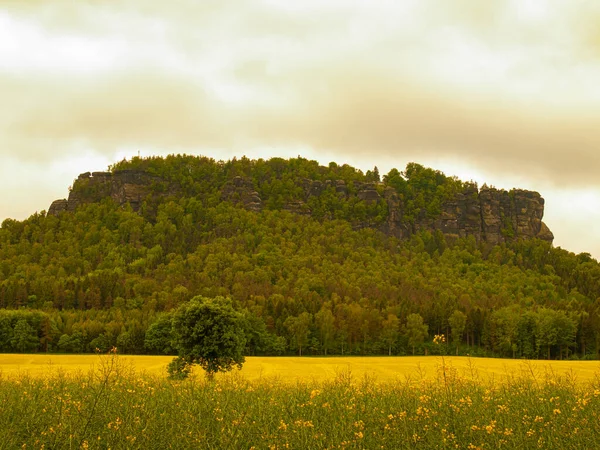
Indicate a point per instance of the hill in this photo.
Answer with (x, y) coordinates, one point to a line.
(321, 259)
(402, 205)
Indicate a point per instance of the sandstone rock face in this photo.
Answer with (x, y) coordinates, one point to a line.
(298, 207)
(394, 226)
(58, 206)
(240, 190)
(489, 215)
(461, 217)
(511, 215)
(367, 192)
(126, 186)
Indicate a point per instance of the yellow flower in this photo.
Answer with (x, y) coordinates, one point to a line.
(439, 339)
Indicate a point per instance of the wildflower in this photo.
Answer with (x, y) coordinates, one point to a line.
(502, 408)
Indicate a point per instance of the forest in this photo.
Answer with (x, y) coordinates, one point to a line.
(324, 283)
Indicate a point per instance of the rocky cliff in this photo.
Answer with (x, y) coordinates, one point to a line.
(126, 186)
(490, 215)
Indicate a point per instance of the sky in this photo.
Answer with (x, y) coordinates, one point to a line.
(504, 92)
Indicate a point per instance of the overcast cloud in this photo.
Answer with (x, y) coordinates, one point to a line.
(498, 91)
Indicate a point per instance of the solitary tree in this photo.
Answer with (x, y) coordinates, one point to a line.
(207, 332)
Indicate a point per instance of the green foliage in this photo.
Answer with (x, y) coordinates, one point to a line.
(105, 276)
(298, 328)
(423, 190)
(416, 330)
(208, 332)
(457, 322)
(159, 336)
(24, 338)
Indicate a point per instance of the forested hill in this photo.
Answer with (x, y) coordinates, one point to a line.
(400, 205)
(321, 260)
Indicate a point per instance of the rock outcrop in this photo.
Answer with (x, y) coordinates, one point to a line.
(240, 190)
(126, 186)
(489, 215)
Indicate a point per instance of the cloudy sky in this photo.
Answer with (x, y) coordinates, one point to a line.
(504, 92)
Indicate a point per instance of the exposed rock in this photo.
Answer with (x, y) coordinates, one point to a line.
(241, 190)
(298, 207)
(461, 217)
(126, 186)
(312, 187)
(545, 234)
(394, 225)
(367, 192)
(341, 188)
(511, 215)
(489, 215)
(57, 207)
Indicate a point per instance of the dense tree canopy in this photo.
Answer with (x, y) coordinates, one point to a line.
(105, 276)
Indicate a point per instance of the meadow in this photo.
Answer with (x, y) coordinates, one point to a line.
(300, 403)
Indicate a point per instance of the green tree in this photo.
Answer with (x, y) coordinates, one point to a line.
(325, 322)
(210, 333)
(416, 331)
(159, 337)
(457, 322)
(554, 328)
(24, 338)
(299, 328)
(390, 331)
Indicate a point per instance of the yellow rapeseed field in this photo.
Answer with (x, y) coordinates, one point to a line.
(308, 403)
(325, 368)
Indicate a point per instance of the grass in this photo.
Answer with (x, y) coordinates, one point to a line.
(315, 403)
(113, 406)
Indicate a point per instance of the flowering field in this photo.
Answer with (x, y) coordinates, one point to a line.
(114, 406)
(320, 368)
